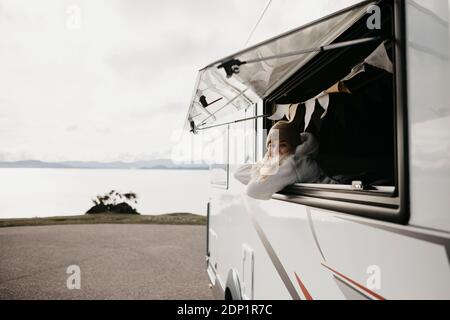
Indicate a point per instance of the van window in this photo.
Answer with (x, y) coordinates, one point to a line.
(348, 100)
(353, 123)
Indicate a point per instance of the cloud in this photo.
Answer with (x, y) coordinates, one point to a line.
(72, 128)
(162, 57)
(121, 84)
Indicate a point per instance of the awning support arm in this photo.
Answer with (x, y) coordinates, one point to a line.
(232, 66)
(227, 123)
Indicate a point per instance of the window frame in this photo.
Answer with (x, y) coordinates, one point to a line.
(391, 207)
(226, 165)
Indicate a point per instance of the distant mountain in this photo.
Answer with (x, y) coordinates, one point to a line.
(148, 164)
(30, 164)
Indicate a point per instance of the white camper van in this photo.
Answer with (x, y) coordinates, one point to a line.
(382, 231)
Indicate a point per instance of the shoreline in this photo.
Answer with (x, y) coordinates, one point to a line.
(107, 218)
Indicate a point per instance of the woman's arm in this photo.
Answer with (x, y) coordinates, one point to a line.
(301, 167)
(244, 173)
(263, 189)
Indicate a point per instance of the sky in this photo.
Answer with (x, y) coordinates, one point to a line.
(108, 80)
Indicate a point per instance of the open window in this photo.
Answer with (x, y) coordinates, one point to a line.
(232, 84)
(353, 122)
(350, 99)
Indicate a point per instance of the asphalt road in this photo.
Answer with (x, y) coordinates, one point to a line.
(116, 262)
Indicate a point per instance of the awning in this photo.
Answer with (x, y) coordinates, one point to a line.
(230, 84)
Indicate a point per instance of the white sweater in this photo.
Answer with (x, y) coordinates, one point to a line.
(300, 167)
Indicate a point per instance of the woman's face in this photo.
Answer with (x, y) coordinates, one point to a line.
(279, 148)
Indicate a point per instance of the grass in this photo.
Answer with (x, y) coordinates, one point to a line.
(172, 218)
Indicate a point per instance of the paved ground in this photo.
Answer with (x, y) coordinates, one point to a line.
(116, 262)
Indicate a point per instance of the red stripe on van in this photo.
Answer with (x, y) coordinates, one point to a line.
(360, 286)
(303, 288)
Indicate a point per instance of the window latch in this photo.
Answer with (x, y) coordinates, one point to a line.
(357, 185)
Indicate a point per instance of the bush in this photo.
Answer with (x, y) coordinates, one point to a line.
(108, 203)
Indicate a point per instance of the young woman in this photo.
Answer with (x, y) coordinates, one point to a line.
(290, 158)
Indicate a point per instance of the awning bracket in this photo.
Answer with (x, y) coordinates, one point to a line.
(205, 103)
(231, 66)
(228, 103)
